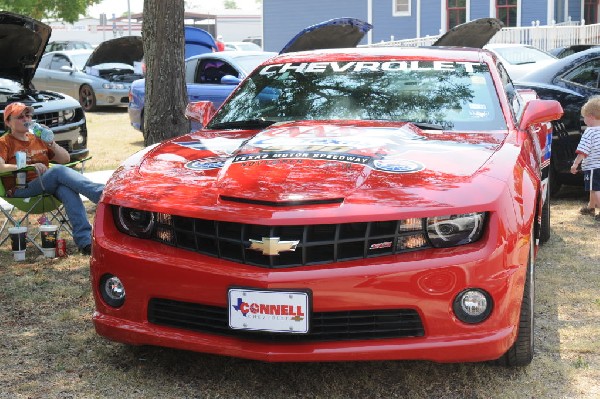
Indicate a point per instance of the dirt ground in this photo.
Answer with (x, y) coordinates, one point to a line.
(49, 349)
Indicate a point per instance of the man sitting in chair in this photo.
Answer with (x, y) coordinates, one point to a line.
(60, 181)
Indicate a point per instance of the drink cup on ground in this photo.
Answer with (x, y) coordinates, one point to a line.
(48, 234)
(18, 239)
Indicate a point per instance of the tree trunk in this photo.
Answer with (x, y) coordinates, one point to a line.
(166, 93)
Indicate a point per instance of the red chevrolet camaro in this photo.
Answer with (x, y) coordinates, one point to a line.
(342, 204)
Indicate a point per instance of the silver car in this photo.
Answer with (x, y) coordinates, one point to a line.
(97, 77)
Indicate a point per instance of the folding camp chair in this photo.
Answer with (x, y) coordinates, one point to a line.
(18, 210)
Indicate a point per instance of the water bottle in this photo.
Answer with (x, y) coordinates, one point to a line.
(41, 131)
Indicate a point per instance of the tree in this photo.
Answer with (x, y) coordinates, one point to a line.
(230, 5)
(166, 93)
(66, 10)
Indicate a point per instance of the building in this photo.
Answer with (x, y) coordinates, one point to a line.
(232, 25)
(404, 19)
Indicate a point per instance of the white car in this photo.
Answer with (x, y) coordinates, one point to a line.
(520, 59)
(242, 46)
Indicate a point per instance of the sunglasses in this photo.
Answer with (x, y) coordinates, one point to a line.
(21, 117)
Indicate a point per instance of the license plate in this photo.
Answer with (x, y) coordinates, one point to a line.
(273, 311)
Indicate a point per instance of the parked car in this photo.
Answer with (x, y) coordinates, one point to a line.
(68, 45)
(562, 52)
(254, 39)
(98, 77)
(571, 81)
(204, 79)
(520, 59)
(23, 40)
(341, 205)
(242, 46)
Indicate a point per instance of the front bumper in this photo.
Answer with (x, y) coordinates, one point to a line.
(422, 281)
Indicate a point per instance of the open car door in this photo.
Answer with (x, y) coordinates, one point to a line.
(335, 33)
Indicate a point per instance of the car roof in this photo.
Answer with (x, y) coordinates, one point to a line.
(231, 55)
(560, 66)
(506, 45)
(355, 53)
(72, 52)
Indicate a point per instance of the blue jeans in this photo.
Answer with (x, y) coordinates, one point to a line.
(66, 184)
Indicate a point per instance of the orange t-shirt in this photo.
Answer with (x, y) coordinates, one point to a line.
(37, 152)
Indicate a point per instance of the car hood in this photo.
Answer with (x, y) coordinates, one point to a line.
(124, 50)
(22, 44)
(198, 41)
(476, 33)
(335, 33)
(304, 163)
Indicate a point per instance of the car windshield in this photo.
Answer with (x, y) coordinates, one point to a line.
(80, 59)
(523, 55)
(435, 94)
(249, 62)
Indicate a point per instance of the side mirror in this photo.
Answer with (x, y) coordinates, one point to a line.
(66, 68)
(539, 111)
(230, 80)
(200, 112)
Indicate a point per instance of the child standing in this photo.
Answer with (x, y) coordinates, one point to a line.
(588, 155)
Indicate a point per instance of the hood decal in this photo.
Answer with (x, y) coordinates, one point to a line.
(382, 148)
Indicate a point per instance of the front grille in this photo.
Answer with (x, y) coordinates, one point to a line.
(326, 326)
(317, 244)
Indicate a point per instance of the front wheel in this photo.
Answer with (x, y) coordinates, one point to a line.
(87, 98)
(545, 223)
(521, 352)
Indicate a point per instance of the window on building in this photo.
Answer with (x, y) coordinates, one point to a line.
(590, 11)
(506, 11)
(401, 8)
(457, 12)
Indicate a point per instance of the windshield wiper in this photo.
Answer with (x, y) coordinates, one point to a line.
(428, 126)
(244, 124)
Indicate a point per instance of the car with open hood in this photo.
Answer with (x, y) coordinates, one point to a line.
(22, 43)
(341, 205)
(98, 77)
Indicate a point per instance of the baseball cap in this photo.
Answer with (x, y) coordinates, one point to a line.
(15, 109)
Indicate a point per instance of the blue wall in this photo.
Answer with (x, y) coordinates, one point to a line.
(282, 20)
(534, 10)
(574, 10)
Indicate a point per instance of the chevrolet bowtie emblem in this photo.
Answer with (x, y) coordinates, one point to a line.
(272, 245)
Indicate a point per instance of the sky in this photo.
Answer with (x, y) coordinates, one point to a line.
(118, 7)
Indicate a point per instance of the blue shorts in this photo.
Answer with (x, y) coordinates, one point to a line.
(591, 180)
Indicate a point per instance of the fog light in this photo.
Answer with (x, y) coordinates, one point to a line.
(112, 290)
(472, 306)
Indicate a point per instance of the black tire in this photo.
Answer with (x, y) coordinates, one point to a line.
(87, 98)
(554, 183)
(545, 223)
(521, 352)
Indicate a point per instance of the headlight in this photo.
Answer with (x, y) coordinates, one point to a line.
(472, 306)
(453, 230)
(68, 115)
(134, 222)
(112, 290)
